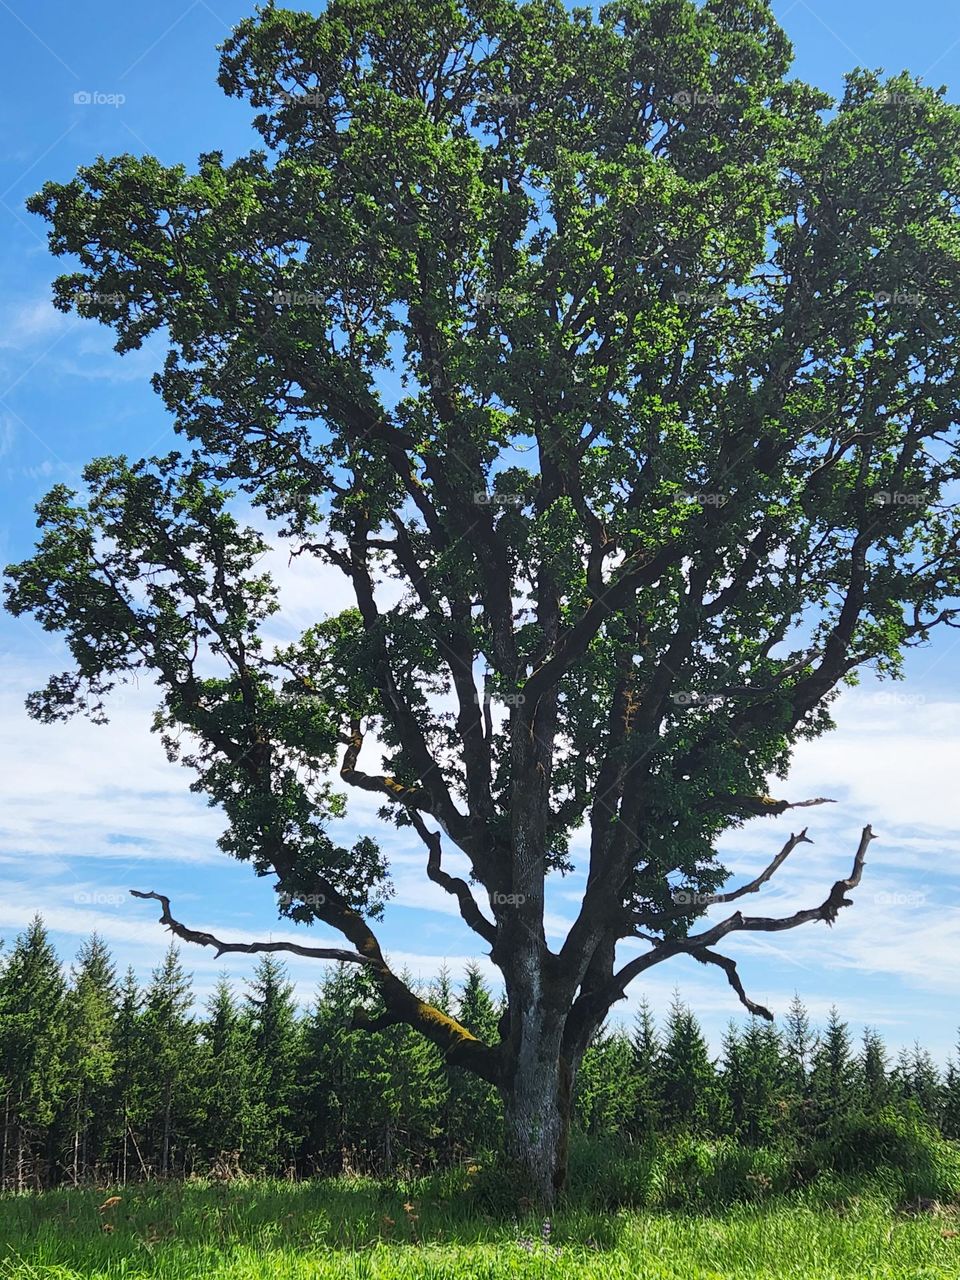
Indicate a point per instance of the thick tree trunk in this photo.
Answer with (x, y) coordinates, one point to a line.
(537, 1102)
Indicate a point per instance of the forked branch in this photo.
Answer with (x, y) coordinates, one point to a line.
(699, 944)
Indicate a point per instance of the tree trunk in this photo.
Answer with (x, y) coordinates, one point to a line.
(537, 1103)
(166, 1131)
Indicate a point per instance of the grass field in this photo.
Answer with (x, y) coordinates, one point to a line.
(433, 1229)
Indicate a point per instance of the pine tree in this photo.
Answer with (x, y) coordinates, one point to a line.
(950, 1121)
(901, 1080)
(233, 1117)
(798, 1046)
(475, 1109)
(688, 1078)
(277, 1048)
(732, 1081)
(606, 1088)
(798, 1043)
(872, 1073)
(89, 1053)
(765, 1087)
(832, 1076)
(339, 1094)
(926, 1086)
(647, 1074)
(169, 1041)
(129, 1069)
(440, 991)
(32, 1032)
(411, 1088)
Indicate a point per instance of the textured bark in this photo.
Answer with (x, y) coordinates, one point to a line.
(537, 1100)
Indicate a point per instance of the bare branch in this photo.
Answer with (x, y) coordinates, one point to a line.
(250, 948)
(469, 909)
(379, 783)
(729, 967)
(770, 871)
(459, 1045)
(826, 911)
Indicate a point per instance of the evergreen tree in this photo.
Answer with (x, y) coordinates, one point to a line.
(832, 1075)
(606, 1093)
(798, 1045)
(129, 1071)
(766, 1099)
(901, 1079)
(32, 1033)
(169, 1042)
(687, 1075)
(411, 1091)
(233, 1116)
(338, 1094)
(648, 1087)
(732, 1092)
(89, 1054)
(277, 1052)
(872, 1073)
(440, 992)
(475, 1109)
(950, 1120)
(754, 1089)
(926, 1086)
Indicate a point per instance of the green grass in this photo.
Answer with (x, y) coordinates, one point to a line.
(359, 1228)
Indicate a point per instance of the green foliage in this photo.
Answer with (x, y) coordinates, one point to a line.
(630, 364)
(688, 1080)
(832, 1075)
(606, 1099)
(167, 1039)
(234, 1112)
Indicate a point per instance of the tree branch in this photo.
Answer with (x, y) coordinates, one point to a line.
(771, 870)
(469, 909)
(757, 806)
(826, 911)
(729, 966)
(249, 948)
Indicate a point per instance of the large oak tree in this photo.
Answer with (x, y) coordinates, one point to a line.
(630, 359)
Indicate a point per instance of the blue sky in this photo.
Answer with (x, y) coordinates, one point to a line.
(88, 812)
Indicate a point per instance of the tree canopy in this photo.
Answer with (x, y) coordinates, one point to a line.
(616, 371)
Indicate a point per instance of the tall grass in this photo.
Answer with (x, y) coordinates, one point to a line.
(689, 1210)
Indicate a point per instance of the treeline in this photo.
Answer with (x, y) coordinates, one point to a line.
(103, 1080)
